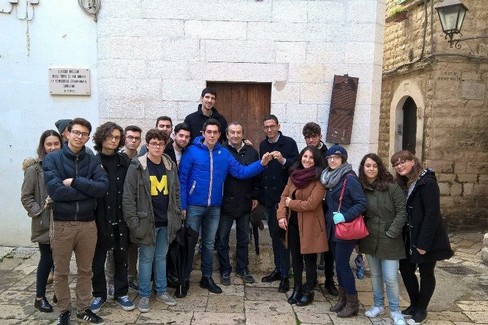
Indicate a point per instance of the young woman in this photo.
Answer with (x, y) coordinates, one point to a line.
(426, 239)
(353, 204)
(301, 215)
(385, 217)
(35, 200)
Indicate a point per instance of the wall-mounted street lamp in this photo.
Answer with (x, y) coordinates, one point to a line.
(451, 14)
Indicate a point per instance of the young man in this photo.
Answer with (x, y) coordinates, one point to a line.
(205, 111)
(132, 135)
(113, 234)
(62, 126)
(152, 211)
(312, 133)
(74, 181)
(284, 151)
(165, 124)
(181, 140)
(203, 170)
(237, 203)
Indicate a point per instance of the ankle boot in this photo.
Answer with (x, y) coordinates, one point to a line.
(351, 308)
(341, 301)
(295, 295)
(306, 299)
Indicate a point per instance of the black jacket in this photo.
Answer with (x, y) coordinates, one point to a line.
(239, 193)
(107, 214)
(78, 201)
(425, 229)
(196, 120)
(275, 176)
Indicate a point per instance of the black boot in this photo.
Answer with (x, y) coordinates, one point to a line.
(331, 289)
(306, 299)
(419, 315)
(182, 289)
(295, 295)
(409, 311)
(208, 283)
(284, 285)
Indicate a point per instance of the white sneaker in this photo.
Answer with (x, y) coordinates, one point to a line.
(374, 311)
(167, 299)
(397, 318)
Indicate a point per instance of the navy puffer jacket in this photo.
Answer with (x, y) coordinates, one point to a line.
(78, 201)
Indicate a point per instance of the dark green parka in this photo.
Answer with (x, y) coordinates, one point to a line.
(385, 217)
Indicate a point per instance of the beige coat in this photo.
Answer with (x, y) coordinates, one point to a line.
(311, 220)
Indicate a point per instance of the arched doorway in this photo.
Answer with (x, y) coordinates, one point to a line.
(409, 130)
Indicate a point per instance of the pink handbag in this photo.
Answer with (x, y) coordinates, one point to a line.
(352, 230)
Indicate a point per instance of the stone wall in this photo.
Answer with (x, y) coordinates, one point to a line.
(453, 88)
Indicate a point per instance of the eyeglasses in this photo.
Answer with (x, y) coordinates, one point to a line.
(399, 164)
(334, 157)
(156, 144)
(79, 134)
(132, 138)
(111, 137)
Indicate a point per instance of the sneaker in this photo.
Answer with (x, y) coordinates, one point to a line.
(374, 311)
(166, 298)
(89, 317)
(397, 318)
(225, 279)
(110, 291)
(97, 304)
(133, 284)
(125, 303)
(143, 305)
(245, 276)
(64, 318)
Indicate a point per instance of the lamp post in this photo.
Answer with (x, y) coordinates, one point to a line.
(451, 14)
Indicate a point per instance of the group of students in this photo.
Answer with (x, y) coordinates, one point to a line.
(109, 205)
(402, 215)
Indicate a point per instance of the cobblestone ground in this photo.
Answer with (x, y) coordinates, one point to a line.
(461, 296)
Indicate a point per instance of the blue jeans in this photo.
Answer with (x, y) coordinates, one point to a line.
(148, 254)
(342, 251)
(207, 218)
(280, 253)
(384, 271)
(242, 243)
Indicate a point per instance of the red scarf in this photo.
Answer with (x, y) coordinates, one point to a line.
(303, 177)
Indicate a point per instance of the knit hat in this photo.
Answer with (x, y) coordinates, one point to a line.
(337, 150)
(62, 124)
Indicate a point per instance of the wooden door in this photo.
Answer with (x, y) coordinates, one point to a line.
(247, 103)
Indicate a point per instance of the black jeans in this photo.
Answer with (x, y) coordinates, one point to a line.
(419, 295)
(242, 243)
(99, 283)
(43, 268)
(297, 259)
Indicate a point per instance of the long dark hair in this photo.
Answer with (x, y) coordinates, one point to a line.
(404, 155)
(318, 161)
(40, 148)
(384, 176)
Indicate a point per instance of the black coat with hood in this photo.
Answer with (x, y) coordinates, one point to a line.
(425, 229)
(196, 120)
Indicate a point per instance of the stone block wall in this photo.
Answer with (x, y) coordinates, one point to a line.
(156, 56)
(453, 84)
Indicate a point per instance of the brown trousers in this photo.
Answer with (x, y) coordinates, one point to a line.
(68, 237)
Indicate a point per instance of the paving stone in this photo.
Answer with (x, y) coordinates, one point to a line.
(225, 304)
(191, 303)
(259, 293)
(172, 317)
(209, 318)
(450, 315)
(473, 306)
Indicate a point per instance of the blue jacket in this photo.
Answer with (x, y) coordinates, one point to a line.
(353, 203)
(202, 173)
(78, 201)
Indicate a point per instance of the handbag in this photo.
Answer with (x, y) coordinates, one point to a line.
(352, 230)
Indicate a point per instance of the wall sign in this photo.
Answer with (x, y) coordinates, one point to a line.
(69, 81)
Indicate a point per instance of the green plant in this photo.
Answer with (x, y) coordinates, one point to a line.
(396, 10)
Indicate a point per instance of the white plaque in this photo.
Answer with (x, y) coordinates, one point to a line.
(69, 81)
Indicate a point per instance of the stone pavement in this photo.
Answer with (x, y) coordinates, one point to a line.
(461, 296)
